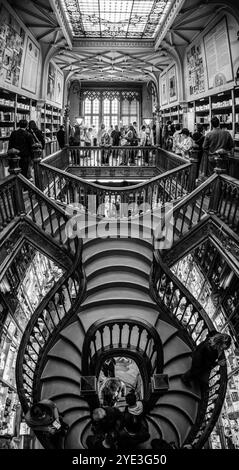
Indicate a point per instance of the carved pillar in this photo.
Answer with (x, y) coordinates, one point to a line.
(37, 157)
(13, 162)
(221, 158)
(67, 124)
(39, 106)
(184, 106)
(15, 169)
(194, 159)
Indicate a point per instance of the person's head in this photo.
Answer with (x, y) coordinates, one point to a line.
(177, 127)
(131, 399)
(185, 132)
(90, 129)
(143, 128)
(62, 128)
(220, 341)
(98, 414)
(22, 124)
(135, 124)
(32, 125)
(199, 128)
(102, 126)
(215, 122)
(116, 127)
(38, 411)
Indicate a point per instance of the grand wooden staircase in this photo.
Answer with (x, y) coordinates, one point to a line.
(122, 299)
(117, 272)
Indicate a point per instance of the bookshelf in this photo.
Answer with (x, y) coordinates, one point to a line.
(51, 119)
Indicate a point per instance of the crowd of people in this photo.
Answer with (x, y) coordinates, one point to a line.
(115, 426)
(208, 142)
(23, 139)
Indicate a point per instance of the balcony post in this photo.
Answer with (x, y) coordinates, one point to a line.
(193, 174)
(37, 157)
(15, 169)
(67, 124)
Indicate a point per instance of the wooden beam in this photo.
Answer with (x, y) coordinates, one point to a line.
(181, 37)
(35, 15)
(50, 31)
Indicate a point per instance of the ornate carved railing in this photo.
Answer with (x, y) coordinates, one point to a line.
(44, 326)
(129, 337)
(113, 156)
(167, 161)
(9, 210)
(192, 318)
(19, 197)
(226, 201)
(114, 201)
(189, 211)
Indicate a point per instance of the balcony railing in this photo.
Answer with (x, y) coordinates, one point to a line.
(125, 337)
(192, 318)
(45, 324)
(68, 189)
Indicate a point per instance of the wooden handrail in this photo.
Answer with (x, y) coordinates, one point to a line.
(190, 315)
(44, 326)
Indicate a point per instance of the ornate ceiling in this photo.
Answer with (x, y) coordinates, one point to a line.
(115, 18)
(116, 40)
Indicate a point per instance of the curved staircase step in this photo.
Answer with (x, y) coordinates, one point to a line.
(118, 260)
(92, 314)
(57, 386)
(170, 432)
(174, 348)
(59, 368)
(165, 330)
(179, 365)
(134, 280)
(64, 350)
(100, 246)
(118, 293)
(187, 404)
(75, 335)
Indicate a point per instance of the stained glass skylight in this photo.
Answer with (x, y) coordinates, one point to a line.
(115, 19)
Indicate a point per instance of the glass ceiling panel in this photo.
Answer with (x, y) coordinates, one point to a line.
(115, 18)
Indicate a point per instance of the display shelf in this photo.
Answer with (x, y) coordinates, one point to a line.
(31, 279)
(51, 119)
(174, 114)
(13, 107)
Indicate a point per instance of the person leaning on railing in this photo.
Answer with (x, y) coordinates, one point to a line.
(205, 357)
(43, 417)
(217, 141)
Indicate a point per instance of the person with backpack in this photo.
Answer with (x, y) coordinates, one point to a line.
(23, 141)
(44, 418)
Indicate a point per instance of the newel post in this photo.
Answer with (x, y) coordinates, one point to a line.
(220, 168)
(37, 157)
(15, 169)
(194, 159)
(67, 124)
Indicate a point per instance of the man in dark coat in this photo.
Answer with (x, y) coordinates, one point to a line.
(23, 141)
(60, 135)
(205, 357)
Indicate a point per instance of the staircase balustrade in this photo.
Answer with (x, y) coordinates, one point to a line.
(115, 337)
(67, 189)
(226, 206)
(46, 322)
(192, 318)
(9, 208)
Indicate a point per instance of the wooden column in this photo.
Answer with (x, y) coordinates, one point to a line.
(37, 157)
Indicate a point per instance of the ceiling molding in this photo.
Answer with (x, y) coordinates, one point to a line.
(176, 7)
(56, 5)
